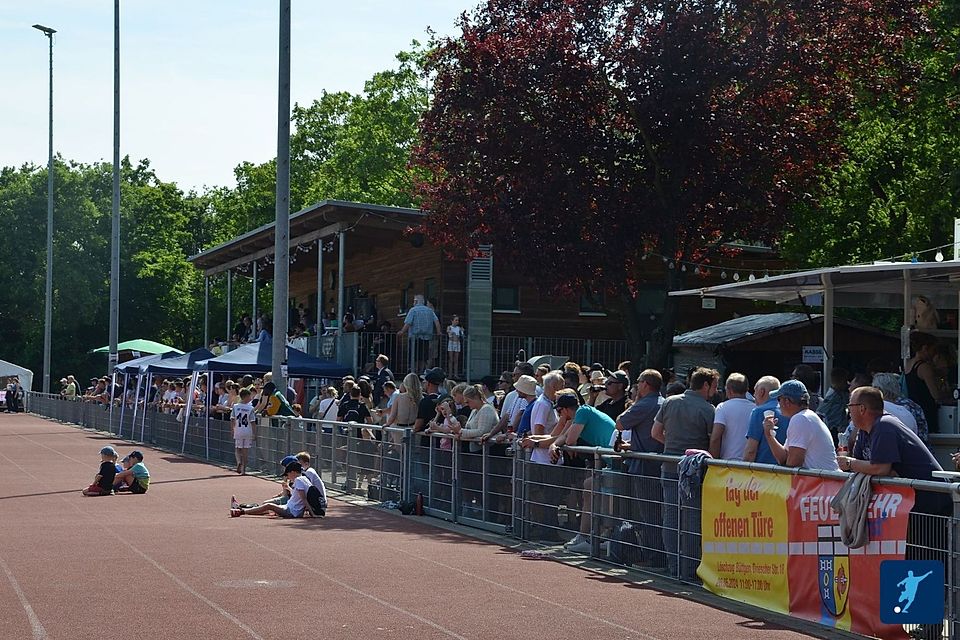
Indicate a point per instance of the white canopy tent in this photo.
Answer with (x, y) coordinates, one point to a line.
(26, 376)
(885, 285)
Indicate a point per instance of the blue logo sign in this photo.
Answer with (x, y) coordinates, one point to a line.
(911, 591)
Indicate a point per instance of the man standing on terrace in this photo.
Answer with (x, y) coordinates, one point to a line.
(422, 325)
(683, 422)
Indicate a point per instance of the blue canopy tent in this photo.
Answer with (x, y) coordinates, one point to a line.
(256, 357)
(132, 367)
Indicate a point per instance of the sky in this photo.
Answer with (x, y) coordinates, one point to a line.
(198, 79)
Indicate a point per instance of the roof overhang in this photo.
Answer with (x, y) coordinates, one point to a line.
(313, 223)
(880, 286)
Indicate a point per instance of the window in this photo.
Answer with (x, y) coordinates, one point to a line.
(506, 299)
(406, 299)
(593, 305)
(430, 291)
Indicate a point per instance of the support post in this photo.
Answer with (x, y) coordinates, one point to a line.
(281, 249)
(907, 319)
(827, 329)
(341, 281)
(115, 223)
(227, 334)
(319, 287)
(253, 318)
(206, 310)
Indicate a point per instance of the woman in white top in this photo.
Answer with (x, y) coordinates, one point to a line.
(455, 337)
(483, 417)
(325, 404)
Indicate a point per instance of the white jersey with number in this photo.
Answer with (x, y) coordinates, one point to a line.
(242, 414)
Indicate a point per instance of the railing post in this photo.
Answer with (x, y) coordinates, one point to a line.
(596, 495)
(455, 498)
(406, 464)
(953, 570)
(484, 481)
(333, 453)
(588, 351)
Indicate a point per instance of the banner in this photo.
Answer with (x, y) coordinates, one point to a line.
(773, 541)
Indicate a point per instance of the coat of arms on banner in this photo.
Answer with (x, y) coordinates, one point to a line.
(833, 571)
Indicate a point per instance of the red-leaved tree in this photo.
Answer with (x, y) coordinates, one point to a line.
(581, 136)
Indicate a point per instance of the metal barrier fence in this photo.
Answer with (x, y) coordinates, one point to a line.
(627, 508)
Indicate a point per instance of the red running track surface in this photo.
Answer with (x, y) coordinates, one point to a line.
(171, 564)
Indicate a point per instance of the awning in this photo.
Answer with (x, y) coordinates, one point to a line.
(876, 286)
(8, 369)
(143, 346)
(179, 366)
(133, 366)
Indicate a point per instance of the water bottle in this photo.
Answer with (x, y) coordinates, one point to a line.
(842, 440)
(233, 502)
(618, 443)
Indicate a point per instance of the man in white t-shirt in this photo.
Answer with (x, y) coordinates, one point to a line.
(543, 418)
(295, 506)
(242, 422)
(809, 443)
(729, 436)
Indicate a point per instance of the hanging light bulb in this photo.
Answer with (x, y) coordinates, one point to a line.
(723, 275)
(736, 277)
(683, 268)
(696, 270)
(939, 256)
(670, 264)
(752, 277)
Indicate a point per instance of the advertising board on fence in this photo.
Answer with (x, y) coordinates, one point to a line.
(772, 540)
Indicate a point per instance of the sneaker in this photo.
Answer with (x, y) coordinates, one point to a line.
(583, 547)
(236, 513)
(577, 539)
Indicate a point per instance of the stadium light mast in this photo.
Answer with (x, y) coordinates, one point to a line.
(115, 223)
(281, 264)
(48, 286)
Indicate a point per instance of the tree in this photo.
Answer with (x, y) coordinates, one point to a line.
(592, 134)
(897, 190)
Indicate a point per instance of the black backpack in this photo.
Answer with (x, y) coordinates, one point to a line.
(625, 545)
(317, 504)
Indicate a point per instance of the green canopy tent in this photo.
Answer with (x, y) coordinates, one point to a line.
(141, 346)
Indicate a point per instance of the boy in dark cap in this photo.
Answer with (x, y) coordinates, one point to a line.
(295, 506)
(103, 481)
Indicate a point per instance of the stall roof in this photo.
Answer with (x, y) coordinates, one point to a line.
(754, 327)
(133, 366)
(258, 356)
(141, 345)
(179, 366)
(878, 285)
(9, 369)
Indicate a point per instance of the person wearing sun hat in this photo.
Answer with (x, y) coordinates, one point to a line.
(809, 444)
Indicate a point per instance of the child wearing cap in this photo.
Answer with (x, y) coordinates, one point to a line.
(295, 506)
(319, 504)
(103, 481)
(136, 478)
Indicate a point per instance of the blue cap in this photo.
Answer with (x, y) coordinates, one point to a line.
(108, 451)
(793, 389)
(287, 460)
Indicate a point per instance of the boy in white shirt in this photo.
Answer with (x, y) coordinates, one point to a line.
(295, 506)
(318, 504)
(243, 422)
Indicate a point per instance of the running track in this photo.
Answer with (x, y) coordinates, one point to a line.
(172, 564)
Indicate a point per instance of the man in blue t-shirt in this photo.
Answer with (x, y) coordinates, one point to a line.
(757, 449)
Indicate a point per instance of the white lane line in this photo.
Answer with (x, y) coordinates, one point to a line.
(39, 633)
(360, 592)
(180, 583)
(525, 594)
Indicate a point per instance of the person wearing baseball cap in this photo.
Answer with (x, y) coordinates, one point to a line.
(136, 479)
(103, 482)
(295, 506)
(587, 427)
(615, 387)
(809, 444)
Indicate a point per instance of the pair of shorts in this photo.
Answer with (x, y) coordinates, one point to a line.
(138, 488)
(453, 347)
(244, 443)
(286, 513)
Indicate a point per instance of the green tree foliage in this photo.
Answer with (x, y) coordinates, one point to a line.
(343, 147)
(160, 226)
(898, 189)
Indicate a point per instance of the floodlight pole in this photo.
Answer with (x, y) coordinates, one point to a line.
(281, 264)
(115, 224)
(48, 286)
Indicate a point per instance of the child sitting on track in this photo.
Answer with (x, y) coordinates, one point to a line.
(295, 506)
(103, 481)
(317, 494)
(136, 479)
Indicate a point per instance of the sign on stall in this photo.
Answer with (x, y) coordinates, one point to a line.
(772, 540)
(813, 355)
